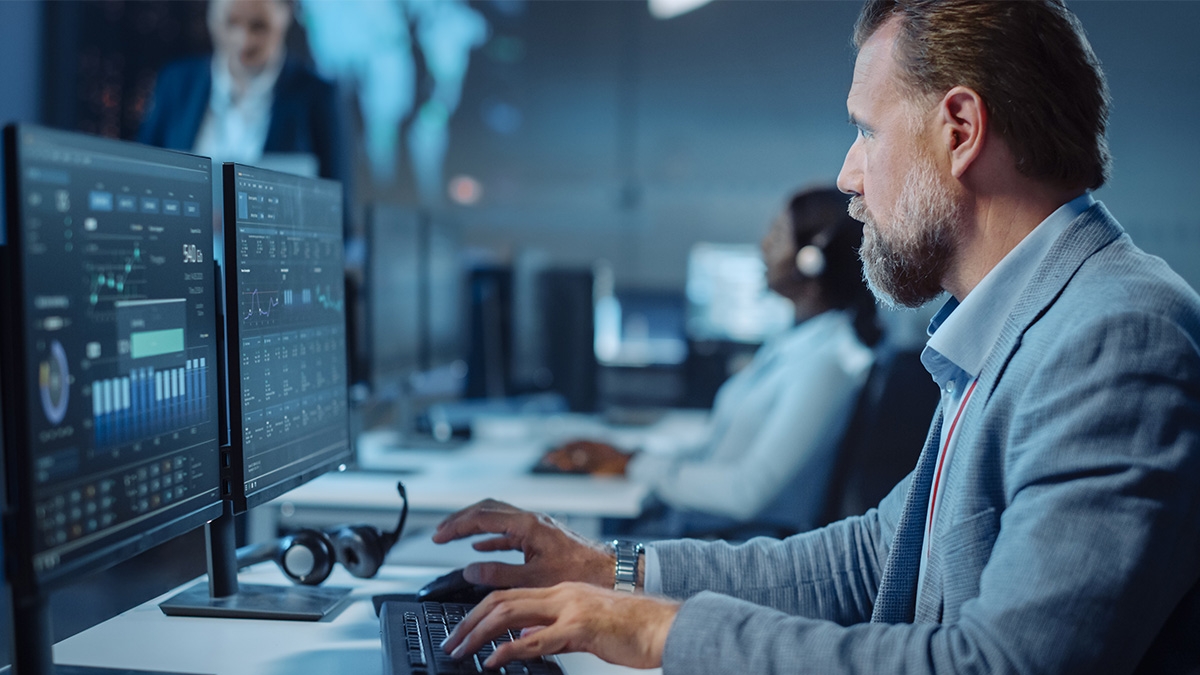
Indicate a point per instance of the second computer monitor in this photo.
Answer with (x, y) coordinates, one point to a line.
(394, 289)
(286, 322)
(728, 298)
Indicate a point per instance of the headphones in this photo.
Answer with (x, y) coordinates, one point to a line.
(308, 556)
(810, 259)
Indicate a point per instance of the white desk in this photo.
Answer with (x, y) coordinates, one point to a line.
(496, 464)
(346, 642)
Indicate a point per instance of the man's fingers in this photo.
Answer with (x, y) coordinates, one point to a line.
(547, 640)
(501, 543)
(497, 613)
(500, 575)
(489, 517)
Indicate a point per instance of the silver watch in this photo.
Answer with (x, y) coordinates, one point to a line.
(629, 557)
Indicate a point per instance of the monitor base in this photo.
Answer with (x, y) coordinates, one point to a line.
(287, 603)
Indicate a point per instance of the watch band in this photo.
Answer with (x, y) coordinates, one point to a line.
(629, 556)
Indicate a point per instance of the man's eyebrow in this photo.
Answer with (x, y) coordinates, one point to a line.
(855, 122)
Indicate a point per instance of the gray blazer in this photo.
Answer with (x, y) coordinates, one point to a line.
(1069, 535)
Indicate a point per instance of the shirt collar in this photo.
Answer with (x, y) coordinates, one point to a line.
(963, 334)
(258, 90)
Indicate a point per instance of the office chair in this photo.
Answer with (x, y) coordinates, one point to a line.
(885, 435)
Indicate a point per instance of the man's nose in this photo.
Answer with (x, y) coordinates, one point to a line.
(850, 178)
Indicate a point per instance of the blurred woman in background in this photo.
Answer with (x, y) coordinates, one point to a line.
(776, 424)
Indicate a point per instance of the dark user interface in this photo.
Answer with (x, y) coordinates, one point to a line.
(118, 294)
(291, 326)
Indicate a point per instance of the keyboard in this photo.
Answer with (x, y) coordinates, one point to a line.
(412, 632)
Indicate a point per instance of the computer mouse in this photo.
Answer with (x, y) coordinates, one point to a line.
(452, 587)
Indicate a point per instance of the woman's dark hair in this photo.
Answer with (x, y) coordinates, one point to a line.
(819, 216)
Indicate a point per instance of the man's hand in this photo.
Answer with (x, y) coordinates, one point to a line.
(600, 459)
(553, 554)
(628, 630)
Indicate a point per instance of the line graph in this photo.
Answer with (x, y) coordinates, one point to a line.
(257, 306)
(108, 281)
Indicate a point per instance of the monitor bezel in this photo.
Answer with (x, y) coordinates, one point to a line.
(233, 470)
(19, 519)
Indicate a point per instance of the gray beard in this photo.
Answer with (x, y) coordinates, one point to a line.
(906, 268)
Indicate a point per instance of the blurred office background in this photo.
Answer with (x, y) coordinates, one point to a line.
(595, 130)
(593, 140)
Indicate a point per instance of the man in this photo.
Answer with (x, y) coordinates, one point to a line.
(249, 98)
(1052, 523)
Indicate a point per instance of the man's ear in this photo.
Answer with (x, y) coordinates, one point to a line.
(963, 120)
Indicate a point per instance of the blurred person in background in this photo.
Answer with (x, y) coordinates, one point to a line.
(776, 425)
(250, 97)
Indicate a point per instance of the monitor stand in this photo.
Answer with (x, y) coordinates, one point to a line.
(222, 597)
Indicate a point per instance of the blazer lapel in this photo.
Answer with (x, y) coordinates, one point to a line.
(1091, 231)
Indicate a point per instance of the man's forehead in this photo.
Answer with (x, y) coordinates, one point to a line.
(873, 71)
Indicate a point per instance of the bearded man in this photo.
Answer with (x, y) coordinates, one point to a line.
(1052, 523)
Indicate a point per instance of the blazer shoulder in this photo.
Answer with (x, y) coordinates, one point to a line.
(1123, 279)
(299, 80)
(186, 70)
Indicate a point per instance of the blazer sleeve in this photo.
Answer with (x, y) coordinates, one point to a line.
(832, 573)
(1097, 545)
(330, 134)
(177, 106)
(152, 129)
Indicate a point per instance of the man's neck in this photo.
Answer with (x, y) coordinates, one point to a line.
(998, 221)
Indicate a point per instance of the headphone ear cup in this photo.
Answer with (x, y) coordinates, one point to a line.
(359, 548)
(810, 261)
(306, 557)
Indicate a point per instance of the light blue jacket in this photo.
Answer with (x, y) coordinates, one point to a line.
(1068, 539)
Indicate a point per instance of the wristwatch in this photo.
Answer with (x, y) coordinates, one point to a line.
(629, 557)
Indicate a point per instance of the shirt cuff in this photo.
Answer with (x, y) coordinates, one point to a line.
(652, 581)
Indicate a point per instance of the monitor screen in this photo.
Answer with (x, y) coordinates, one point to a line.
(638, 328)
(728, 298)
(446, 284)
(286, 322)
(393, 296)
(110, 350)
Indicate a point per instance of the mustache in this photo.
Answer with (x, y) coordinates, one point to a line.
(857, 209)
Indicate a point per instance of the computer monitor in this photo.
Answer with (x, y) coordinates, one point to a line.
(285, 327)
(109, 361)
(728, 298)
(394, 303)
(640, 327)
(446, 295)
(284, 279)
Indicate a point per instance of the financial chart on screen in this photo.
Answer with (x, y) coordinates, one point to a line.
(289, 393)
(113, 294)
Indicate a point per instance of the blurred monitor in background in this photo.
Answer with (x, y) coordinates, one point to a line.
(445, 294)
(393, 290)
(638, 328)
(728, 298)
